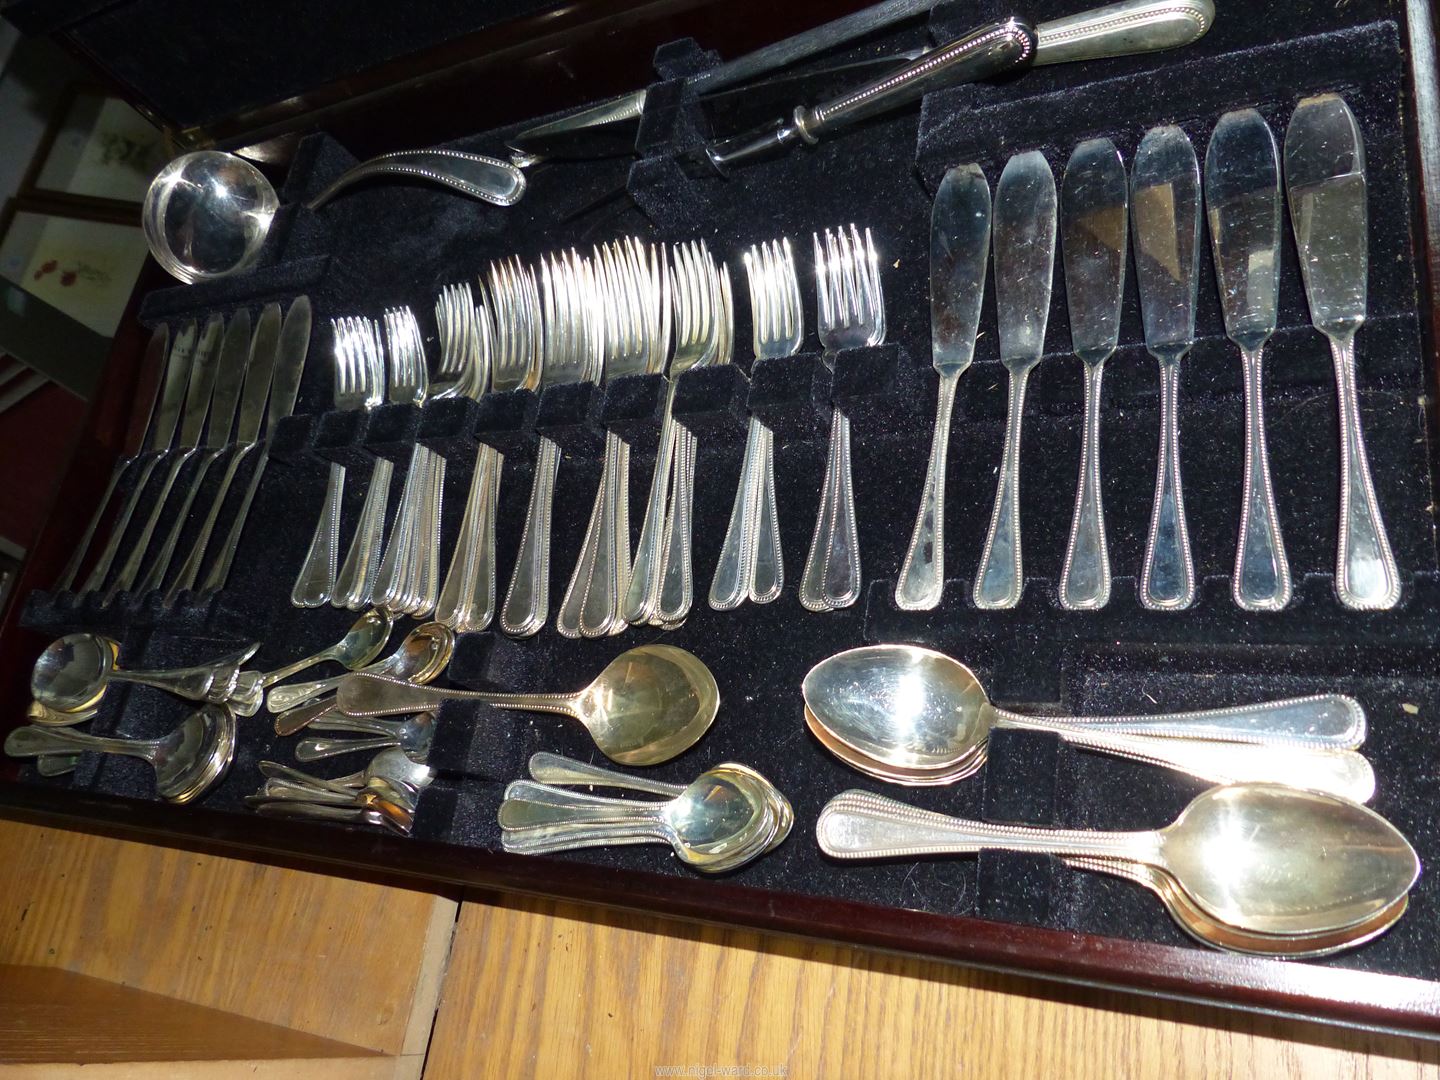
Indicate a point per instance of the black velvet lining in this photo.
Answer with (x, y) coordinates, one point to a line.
(381, 246)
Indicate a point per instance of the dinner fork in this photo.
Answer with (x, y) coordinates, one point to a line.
(750, 563)
(694, 306)
(353, 387)
(632, 295)
(467, 599)
(355, 583)
(850, 313)
(399, 567)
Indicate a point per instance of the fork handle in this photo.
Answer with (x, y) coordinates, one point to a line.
(677, 589)
(355, 584)
(453, 608)
(568, 621)
(395, 566)
(922, 575)
(599, 613)
(643, 595)
(527, 601)
(832, 570)
(317, 573)
(767, 563)
(731, 583)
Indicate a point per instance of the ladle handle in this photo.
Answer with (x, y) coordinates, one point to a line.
(554, 769)
(858, 825)
(1332, 721)
(36, 741)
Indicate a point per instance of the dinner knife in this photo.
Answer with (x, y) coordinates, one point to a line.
(192, 423)
(228, 378)
(1119, 29)
(292, 349)
(959, 251)
(134, 450)
(1094, 227)
(157, 442)
(1325, 181)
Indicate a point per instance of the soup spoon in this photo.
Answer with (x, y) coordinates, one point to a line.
(1259, 857)
(1217, 935)
(72, 673)
(187, 762)
(421, 656)
(914, 708)
(648, 705)
(1340, 772)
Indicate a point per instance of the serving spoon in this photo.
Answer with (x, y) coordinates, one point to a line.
(648, 705)
(915, 708)
(1262, 858)
(71, 675)
(1207, 931)
(421, 655)
(187, 762)
(1340, 772)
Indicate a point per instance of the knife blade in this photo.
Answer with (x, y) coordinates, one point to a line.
(157, 441)
(1095, 221)
(230, 370)
(1325, 179)
(959, 250)
(136, 437)
(291, 348)
(192, 422)
(258, 372)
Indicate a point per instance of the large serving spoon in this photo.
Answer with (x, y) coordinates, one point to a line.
(360, 645)
(187, 762)
(1340, 772)
(648, 705)
(919, 709)
(72, 673)
(1218, 935)
(422, 655)
(1260, 857)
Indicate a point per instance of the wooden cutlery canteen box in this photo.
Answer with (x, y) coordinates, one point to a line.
(311, 89)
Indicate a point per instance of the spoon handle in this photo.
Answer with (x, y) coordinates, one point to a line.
(358, 725)
(858, 825)
(520, 813)
(379, 695)
(317, 748)
(550, 839)
(554, 769)
(284, 698)
(297, 719)
(1331, 721)
(1341, 772)
(277, 771)
(294, 791)
(37, 741)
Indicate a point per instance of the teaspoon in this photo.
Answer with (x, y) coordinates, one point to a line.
(360, 645)
(648, 705)
(1262, 858)
(421, 656)
(187, 762)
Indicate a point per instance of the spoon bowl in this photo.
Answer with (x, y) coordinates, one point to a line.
(71, 674)
(421, 656)
(206, 215)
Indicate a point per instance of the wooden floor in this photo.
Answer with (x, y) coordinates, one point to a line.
(332, 977)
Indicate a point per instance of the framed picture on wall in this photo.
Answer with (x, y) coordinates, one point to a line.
(96, 148)
(81, 264)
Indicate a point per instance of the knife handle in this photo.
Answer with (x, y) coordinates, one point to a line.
(1131, 26)
(1262, 571)
(67, 578)
(981, 54)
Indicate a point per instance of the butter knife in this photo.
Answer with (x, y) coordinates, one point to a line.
(1325, 181)
(959, 251)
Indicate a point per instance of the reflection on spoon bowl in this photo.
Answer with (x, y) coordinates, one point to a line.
(206, 215)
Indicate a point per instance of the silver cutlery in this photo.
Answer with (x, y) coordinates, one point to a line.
(192, 422)
(364, 351)
(1094, 219)
(1325, 181)
(1242, 200)
(751, 564)
(400, 572)
(284, 347)
(1023, 235)
(850, 313)
(1165, 212)
(155, 358)
(959, 251)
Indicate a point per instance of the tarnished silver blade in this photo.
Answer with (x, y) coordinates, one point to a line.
(172, 396)
(1024, 241)
(1165, 211)
(959, 249)
(228, 379)
(1325, 181)
(202, 382)
(290, 361)
(257, 374)
(1242, 200)
(1094, 222)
